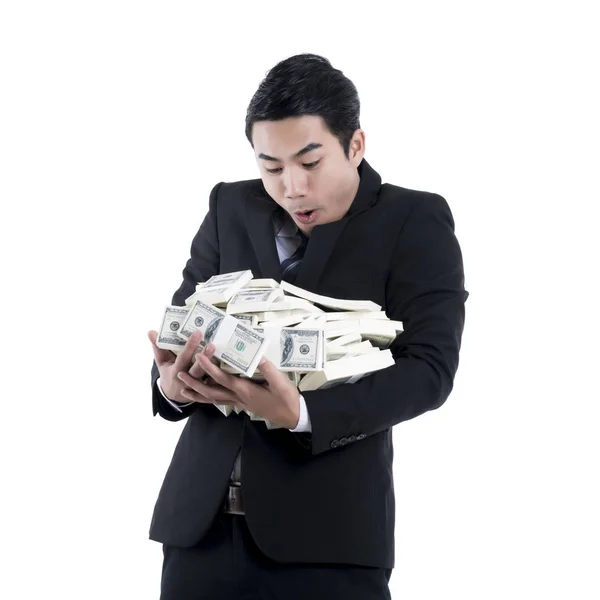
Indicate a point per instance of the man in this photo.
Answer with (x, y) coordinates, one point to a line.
(307, 510)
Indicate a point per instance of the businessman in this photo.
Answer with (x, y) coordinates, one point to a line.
(306, 511)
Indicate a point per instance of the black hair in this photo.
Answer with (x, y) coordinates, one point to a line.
(307, 84)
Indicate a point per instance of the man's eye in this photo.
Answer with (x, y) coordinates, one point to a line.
(311, 165)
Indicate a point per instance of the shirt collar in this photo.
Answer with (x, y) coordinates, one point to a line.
(284, 226)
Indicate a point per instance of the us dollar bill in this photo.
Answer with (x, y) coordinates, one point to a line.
(237, 345)
(202, 317)
(253, 300)
(244, 349)
(173, 319)
(249, 320)
(301, 349)
(262, 283)
(338, 304)
(219, 288)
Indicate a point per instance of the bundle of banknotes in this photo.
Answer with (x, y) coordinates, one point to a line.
(318, 341)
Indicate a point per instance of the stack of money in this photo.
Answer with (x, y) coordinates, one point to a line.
(316, 340)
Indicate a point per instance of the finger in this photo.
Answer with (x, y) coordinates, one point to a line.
(196, 371)
(196, 397)
(217, 394)
(225, 379)
(274, 377)
(161, 356)
(184, 358)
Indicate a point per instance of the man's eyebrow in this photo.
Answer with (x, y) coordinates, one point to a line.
(308, 148)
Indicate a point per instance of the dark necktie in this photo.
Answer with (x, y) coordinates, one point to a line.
(290, 266)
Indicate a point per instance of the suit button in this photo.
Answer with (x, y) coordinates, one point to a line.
(335, 443)
(352, 438)
(361, 436)
(343, 441)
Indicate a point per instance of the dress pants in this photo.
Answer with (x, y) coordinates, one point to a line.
(227, 564)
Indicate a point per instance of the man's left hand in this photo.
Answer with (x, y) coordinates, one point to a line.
(276, 400)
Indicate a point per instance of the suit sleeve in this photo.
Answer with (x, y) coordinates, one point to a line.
(425, 290)
(202, 265)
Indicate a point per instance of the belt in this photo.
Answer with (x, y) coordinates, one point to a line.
(233, 504)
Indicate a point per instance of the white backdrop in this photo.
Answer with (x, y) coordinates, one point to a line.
(116, 120)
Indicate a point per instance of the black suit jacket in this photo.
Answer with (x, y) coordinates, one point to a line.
(328, 495)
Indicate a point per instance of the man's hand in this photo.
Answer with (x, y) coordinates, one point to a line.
(170, 365)
(276, 400)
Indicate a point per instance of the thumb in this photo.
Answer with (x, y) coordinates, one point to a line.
(160, 356)
(270, 371)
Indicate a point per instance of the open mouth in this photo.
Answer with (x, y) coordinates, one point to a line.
(306, 216)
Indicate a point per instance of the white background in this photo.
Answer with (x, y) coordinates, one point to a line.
(117, 119)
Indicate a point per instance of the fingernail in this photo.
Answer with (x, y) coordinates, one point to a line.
(210, 349)
(180, 375)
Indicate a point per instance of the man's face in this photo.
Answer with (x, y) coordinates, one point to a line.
(303, 168)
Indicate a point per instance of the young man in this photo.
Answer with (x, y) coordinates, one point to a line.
(307, 510)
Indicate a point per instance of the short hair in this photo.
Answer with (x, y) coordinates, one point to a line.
(307, 84)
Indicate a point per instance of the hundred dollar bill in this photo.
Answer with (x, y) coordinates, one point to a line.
(286, 321)
(270, 315)
(172, 321)
(235, 344)
(219, 288)
(337, 303)
(333, 352)
(293, 376)
(248, 320)
(253, 300)
(379, 331)
(346, 370)
(354, 314)
(314, 321)
(344, 340)
(262, 283)
(292, 349)
(302, 349)
(291, 303)
(226, 409)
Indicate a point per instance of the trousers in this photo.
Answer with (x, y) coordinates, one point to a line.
(228, 565)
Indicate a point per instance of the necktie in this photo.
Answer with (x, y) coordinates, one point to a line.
(291, 265)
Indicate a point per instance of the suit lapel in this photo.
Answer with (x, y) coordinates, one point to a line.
(324, 238)
(260, 209)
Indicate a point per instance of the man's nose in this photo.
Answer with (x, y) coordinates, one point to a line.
(294, 183)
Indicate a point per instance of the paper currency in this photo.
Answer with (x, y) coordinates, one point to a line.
(173, 319)
(291, 349)
(239, 346)
(346, 370)
(336, 303)
(219, 288)
(282, 321)
(253, 300)
(354, 314)
(291, 303)
(247, 319)
(333, 352)
(262, 283)
(271, 315)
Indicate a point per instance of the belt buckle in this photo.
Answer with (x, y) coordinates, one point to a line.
(233, 501)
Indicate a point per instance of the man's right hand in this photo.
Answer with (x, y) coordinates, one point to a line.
(169, 365)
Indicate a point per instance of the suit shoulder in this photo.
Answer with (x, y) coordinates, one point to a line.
(405, 200)
(239, 189)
